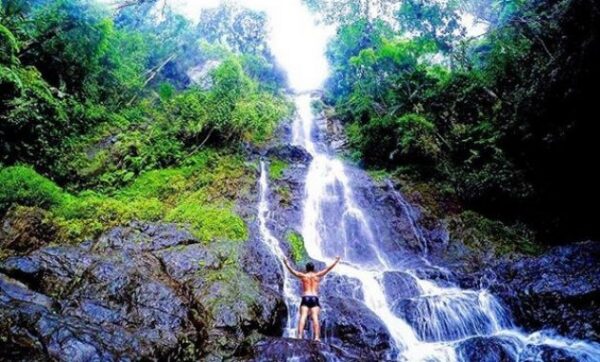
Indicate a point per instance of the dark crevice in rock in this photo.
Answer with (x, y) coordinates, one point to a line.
(196, 308)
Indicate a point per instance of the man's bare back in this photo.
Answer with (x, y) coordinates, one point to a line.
(310, 284)
(310, 295)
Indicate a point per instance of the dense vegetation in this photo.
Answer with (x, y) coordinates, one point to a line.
(132, 113)
(503, 121)
(109, 114)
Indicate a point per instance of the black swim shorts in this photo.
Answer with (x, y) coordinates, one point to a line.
(310, 301)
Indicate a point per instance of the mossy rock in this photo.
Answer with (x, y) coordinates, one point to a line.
(277, 168)
(296, 243)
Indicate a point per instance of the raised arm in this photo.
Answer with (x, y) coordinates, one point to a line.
(292, 270)
(328, 269)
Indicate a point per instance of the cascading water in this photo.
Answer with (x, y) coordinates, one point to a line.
(334, 224)
(291, 298)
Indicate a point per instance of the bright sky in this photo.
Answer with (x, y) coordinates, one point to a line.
(296, 40)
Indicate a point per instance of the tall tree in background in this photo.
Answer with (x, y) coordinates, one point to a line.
(340, 12)
(240, 29)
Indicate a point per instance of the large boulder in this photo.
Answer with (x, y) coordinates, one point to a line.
(545, 353)
(141, 320)
(485, 349)
(290, 153)
(146, 291)
(558, 290)
(348, 323)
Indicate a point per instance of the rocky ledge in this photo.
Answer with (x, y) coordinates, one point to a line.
(559, 289)
(146, 291)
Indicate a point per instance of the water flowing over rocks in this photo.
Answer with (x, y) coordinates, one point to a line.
(403, 291)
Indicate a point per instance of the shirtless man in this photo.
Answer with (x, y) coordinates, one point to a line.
(310, 295)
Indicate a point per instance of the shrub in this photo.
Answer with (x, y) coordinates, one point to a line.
(417, 138)
(209, 223)
(22, 185)
(277, 168)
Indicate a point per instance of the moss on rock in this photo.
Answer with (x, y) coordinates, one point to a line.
(296, 242)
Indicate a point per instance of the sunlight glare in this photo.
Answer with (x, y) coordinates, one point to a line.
(296, 40)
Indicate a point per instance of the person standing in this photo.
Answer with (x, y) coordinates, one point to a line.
(310, 295)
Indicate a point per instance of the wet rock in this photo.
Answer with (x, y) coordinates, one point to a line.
(484, 349)
(440, 276)
(286, 349)
(399, 285)
(30, 325)
(237, 305)
(335, 285)
(146, 291)
(258, 261)
(546, 353)
(140, 237)
(348, 323)
(290, 153)
(558, 290)
(24, 229)
(49, 270)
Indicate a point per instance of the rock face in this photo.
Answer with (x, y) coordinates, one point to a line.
(286, 349)
(290, 153)
(139, 292)
(348, 323)
(399, 285)
(24, 229)
(559, 290)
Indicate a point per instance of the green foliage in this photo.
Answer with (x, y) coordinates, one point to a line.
(32, 119)
(199, 194)
(417, 137)
(436, 21)
(276, 169)
(296, 243)
(9, 46)
(76, 30)
(481, 233)
(90, 213)
(345, 11)
(269, 76)
(242, 30)
(208, 223)
(103, 104)
(95, 101)
(499, 118)
(22, 185)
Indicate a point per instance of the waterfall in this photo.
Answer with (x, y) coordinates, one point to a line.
(335, 224)
(290, 296)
